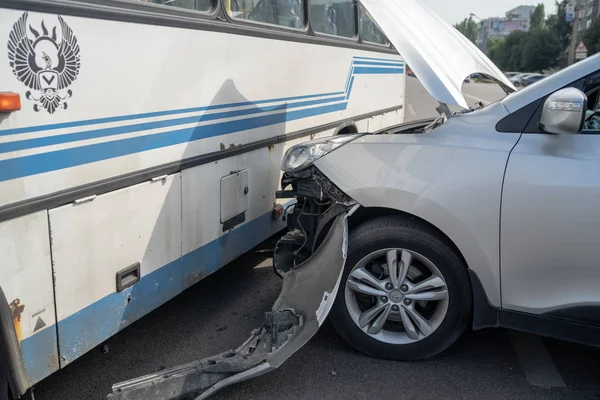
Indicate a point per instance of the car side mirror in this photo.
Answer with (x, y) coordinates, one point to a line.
(564, 112)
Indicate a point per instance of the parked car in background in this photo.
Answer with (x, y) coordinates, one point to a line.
(410, 72)
(516, 79)
(509, 75)
(532, 78)
(472, 76)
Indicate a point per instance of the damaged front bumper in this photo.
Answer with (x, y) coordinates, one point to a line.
(309, 290)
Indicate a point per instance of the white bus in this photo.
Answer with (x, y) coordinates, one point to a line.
(140, 149)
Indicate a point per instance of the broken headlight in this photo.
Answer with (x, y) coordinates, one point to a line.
(304, 155)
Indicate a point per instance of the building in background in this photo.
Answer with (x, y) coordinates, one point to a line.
(582, 13)
(517, 19)
(521, 12)
(589, 10)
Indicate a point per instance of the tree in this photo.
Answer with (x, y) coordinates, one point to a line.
(541, 51)
(468, 27)
(591, 37)
(507, 52)
(514, 49)
(537, 17)
(541, 47)
(496, 51)
(558, 25)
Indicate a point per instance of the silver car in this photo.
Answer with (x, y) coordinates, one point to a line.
(486, 217)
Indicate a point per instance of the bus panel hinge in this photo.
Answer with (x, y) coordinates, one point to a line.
(85, 199)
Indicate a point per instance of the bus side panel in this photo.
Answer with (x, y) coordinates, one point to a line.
(206, 247)
(26, 279)
(94, 240)
(138, 103)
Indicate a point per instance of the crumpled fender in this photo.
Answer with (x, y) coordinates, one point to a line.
(306, 298)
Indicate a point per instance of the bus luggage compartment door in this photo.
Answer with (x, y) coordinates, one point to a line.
(116, 257)
(234, 199)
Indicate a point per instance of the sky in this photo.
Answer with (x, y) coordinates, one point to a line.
(454, 11)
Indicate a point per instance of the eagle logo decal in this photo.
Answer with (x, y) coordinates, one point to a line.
(43, 63)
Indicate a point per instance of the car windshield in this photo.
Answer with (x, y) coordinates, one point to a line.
(422, 107)
(480, 93)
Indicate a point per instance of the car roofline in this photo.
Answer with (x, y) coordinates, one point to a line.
(551, 83)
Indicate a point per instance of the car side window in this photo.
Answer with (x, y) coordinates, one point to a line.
(591, 89)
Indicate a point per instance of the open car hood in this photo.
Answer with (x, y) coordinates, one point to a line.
(440, 56)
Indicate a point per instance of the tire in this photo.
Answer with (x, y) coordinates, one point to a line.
(4, 391)
(410, 235)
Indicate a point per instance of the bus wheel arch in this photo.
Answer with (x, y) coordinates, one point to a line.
(11, 360)
(346, 128)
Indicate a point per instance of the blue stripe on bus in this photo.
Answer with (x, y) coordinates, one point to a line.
(350, 88)
(95, 323)
(40, 354)
(377, 59)
(67, 158)
(72, 124)
(61, 159)
(377, 70)
(378, 64)
(348, 79)
(119, 130)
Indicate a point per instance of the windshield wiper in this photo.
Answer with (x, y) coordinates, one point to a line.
(475, 107)
(439, 121)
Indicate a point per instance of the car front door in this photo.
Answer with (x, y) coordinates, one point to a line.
(550, 222)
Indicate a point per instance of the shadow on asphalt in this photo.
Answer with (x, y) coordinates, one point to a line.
(220, 312)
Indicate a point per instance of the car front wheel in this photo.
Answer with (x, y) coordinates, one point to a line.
(405, 293)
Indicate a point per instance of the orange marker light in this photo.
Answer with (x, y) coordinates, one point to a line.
(9, 102)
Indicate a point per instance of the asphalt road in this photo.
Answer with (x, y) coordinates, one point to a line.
(219, 313)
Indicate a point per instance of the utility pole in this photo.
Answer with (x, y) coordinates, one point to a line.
(573, 44)
(480, 41)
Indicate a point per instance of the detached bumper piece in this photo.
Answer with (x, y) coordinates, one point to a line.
(308, 293)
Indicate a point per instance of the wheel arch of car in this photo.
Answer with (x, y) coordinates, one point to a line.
(484, 315)
(367, 213)
(393, 201)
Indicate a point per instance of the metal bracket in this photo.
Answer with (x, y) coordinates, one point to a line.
(444, 110)
(159, 178)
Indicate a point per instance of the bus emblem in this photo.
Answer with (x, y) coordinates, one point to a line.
(44, 63)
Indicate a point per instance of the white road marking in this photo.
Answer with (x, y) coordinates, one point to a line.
(535, 360)
(411, 110)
